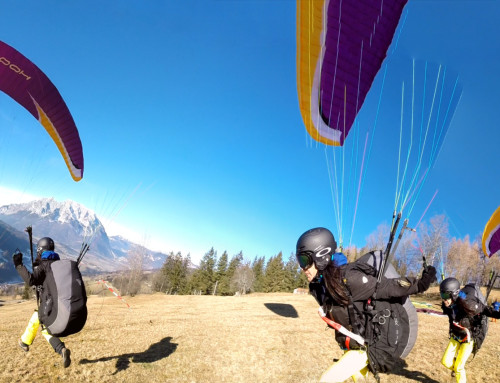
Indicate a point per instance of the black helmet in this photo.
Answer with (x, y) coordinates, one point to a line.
(449, 288)
(44, 244)
(315, 246)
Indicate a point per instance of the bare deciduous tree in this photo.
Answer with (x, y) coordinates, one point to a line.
(136, 257)
(352, 253)
(434, 239)
(463, 261)
(378, 239)
(408, 259)
(243, 278)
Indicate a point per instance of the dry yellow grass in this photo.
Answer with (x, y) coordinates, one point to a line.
(255, 338)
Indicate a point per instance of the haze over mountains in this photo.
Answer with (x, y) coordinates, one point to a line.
(69, 224)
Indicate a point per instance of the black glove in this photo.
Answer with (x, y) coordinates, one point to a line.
(428, 276)
(18, 259)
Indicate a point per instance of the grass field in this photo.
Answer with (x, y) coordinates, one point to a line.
(254, 338)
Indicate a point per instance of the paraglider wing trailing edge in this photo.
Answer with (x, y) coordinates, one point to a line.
(29, 86)
(340, 48)
(491, 245)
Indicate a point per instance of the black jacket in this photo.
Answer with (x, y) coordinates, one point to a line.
(361, 282)
(469, 313)
(37, 278)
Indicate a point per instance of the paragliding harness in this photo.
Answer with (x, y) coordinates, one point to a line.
(475, 303)
(64, 310)
(385, 337)
(385, 324)
(65, 313)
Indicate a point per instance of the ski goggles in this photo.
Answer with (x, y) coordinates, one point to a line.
(305, 261)
(446, 295)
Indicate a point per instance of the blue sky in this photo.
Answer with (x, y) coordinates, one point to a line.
(192, 135)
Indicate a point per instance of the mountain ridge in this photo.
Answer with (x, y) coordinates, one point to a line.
(69, 224)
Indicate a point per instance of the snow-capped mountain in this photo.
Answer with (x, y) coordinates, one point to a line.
(69, 224)
(121, 248)
(67, 220)
(11, 240)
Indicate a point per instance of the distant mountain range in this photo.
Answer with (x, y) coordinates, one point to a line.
(68, 224)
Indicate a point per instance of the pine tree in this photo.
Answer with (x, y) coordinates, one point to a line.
(258, 272)
(291, 274)
(235, 262)
(27, 292)
(302, 281)
(274, 278)
(220, 275)
(203, 279)
(173, 276)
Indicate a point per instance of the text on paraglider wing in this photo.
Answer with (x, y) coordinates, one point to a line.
(14, 67)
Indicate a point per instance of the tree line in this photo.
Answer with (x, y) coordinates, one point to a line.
(461, 258)
(226, 275)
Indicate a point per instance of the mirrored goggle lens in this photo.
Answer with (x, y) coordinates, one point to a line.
(304, 261)
(445, 295)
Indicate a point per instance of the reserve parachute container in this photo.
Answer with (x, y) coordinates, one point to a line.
(65, 312)
(473, 303)
(394, 321)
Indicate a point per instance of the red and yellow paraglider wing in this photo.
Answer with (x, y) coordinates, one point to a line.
(491, 235)
(29, 86)
(340, 48)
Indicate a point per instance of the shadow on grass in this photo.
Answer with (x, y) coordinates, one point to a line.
(283, 309)
(155, 352)
(418, 376)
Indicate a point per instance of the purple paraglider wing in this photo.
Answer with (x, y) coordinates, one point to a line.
(491, 235)
(29, 86)
(340, 48)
